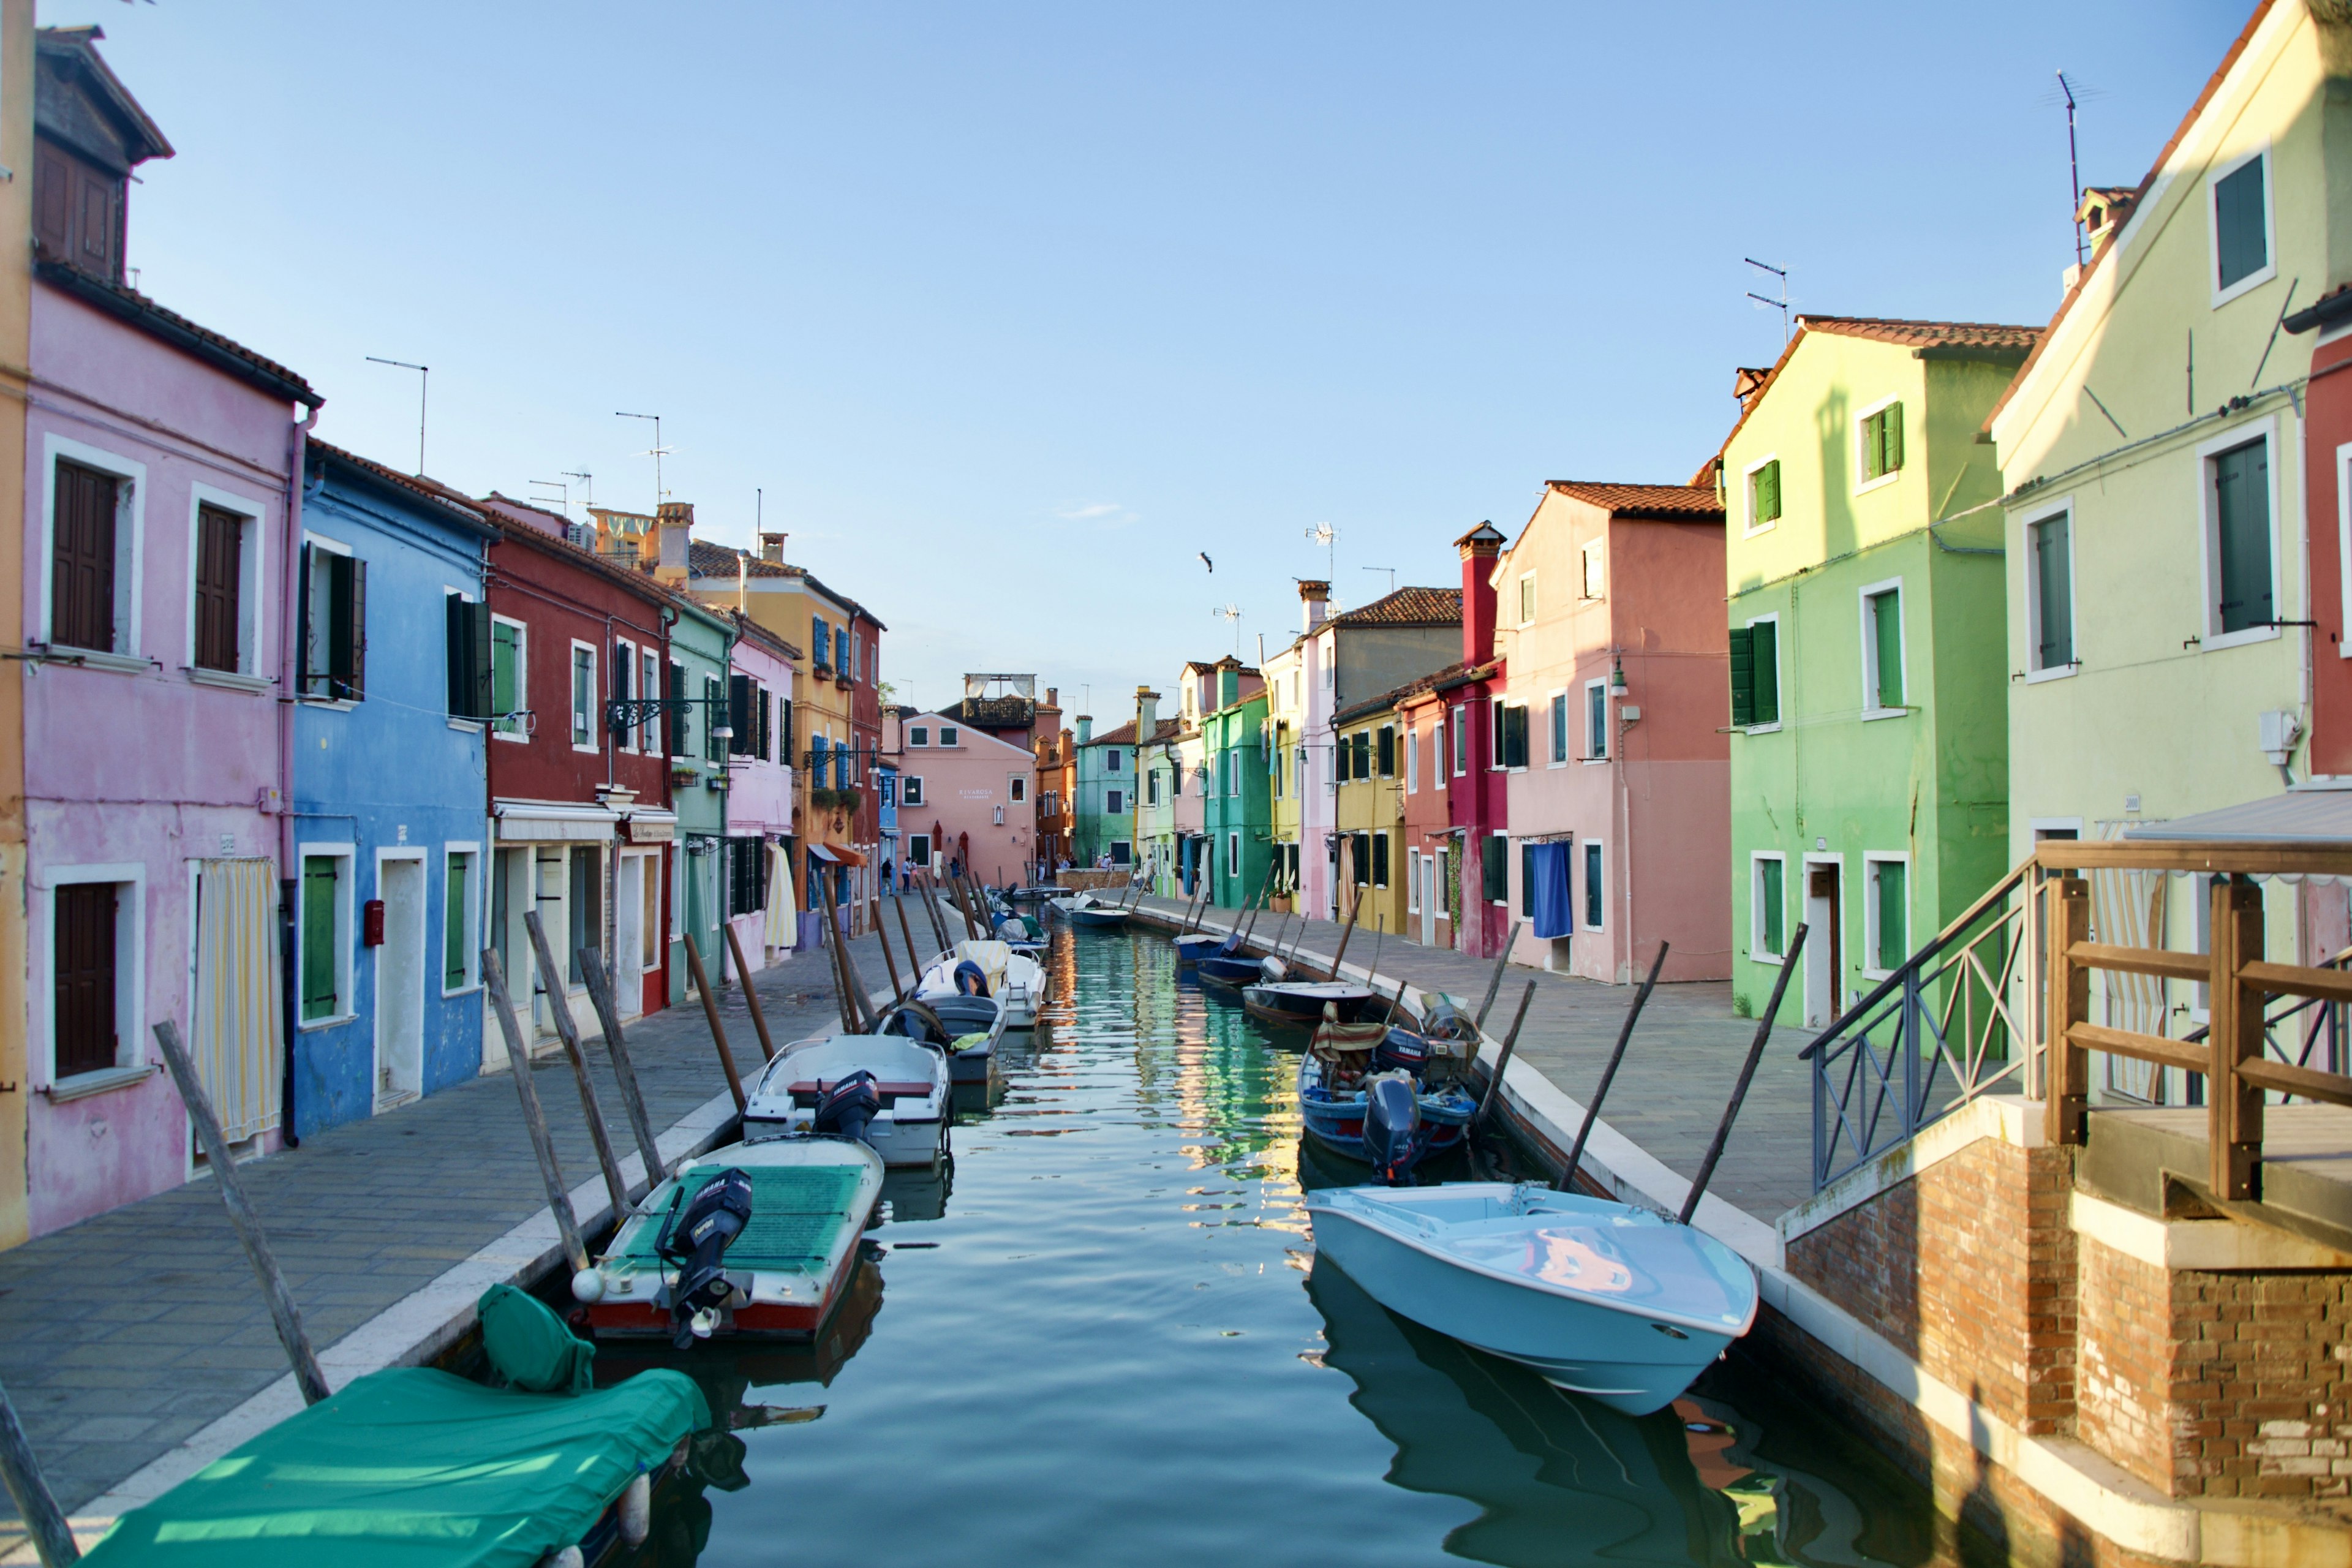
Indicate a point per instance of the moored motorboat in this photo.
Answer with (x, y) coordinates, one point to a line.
(998, 971)
(1192, 945)
(1335, 1104)
(1301, 1002)
(779, 1270)
(1602, 1299)
(1093, 913)
(1228, 967)
(907, 1082)
(967, 1028)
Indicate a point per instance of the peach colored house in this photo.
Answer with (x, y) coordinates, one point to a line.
(965, 798)
(1619, 811)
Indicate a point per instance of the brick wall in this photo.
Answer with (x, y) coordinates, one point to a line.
(1973, 1306)
(2125, 1368)
(2261, 1385)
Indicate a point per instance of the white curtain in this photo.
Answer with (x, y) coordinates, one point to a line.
(237, 1042)
(783, 901)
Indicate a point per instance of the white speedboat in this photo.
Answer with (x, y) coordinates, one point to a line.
(908, 1125)
(1014, 979)
(1604, 1300)
(780, 1272)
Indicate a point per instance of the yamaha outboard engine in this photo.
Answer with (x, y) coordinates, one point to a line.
(847, 1107)
(1402, 1050)
(1272, 969)
(693, 1239)
(1392, 1130)
(970, 980)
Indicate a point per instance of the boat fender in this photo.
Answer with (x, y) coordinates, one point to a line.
(637, 1510)
(588, 1286)
(563, 1557)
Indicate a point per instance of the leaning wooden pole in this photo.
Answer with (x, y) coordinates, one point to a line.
(907, 930)
(534, 1121)
(242, 1217)
(710, 1012)
(1340, 957)
(45, 1521)
(751, 992)
(1746, 1074)
(1608, 1074)
(1503, 1061)
(550, 975)
(624, 1071)
(1494, 981)
(853, 988)
(889, 958)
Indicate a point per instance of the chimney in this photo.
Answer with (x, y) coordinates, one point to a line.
(1147, 715)
(1478, 547)
(674, 525)
(1229, 682)
(1747, 381)
(772, 548)
(1086, 728)
(1054, 698)
(1317, 599)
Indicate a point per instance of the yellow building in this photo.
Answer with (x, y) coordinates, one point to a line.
(1369, 813)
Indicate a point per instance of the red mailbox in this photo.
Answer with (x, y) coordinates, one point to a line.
(372, 923)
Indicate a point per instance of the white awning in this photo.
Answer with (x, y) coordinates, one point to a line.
(649, 825)
(2297, 816)
(542, 821)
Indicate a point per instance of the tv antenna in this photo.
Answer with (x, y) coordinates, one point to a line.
(587, 485)
(2073, 168)
(424, 376)
(656, 453)
(1232, 613)
(1390, 570)
(1781, 304)
(1324, 534)
(563, 496)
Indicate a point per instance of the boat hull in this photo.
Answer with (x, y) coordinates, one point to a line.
(1229, 971)
(1336, 1122)
(1191, 948)
(1303, 1006)
(1619, 1355)
(910, 1130)
(1098, 919)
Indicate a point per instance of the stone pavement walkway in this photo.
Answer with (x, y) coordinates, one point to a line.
(1677, 1074)
(123, 1335)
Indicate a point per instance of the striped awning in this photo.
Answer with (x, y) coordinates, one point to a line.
(540, 821)
(2297, 816)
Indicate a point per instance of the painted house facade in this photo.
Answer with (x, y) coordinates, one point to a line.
(1477, 794)
(1869, 670)
(159, 499)
(1056, 797)
(1619, 773)
(1156, 779)
(761, 905)
(1368, 757)
(702, 670)
(17, 46)
(1432, 858)
(1236, 814)
(1298, 709)
(1104, 830)
(390, 789)
(966, 801)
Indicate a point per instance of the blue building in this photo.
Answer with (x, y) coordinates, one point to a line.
(391, 791)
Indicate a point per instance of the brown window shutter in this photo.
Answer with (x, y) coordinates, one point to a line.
(220, 550)
(53, 196)
(82, 585)
(84, 1012)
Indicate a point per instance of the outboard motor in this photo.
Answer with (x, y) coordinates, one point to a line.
(1392, 1130)
(694, 1239)
(970, 980)
(845, 1109)
(1272, 969)
(1402, 1050)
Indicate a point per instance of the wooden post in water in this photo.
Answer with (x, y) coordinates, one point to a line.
(569, 1032)
(914, 959)
(752, 994)
(242, 1217)
(1567, 1182)
(1346, 931)
(889, 958)
(1494, 983)
(931, 906)
(624, 1071)
(710, 1012)
(559, 1199)
(1503, 1061)
(853, 989)
(1747, 1073)
(45, 1521)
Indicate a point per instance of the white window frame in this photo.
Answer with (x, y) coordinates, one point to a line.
(910, 789)
(473, 848)
(1412, 881)
(1590, 687)
(129, 542)
(346, 935)
(1870, 708)
(1461, 740)
(919, 850)
(1583, 884)
(2269, 268)
(1756, 950)
(2034, 673)
(1753, 622)
(1863, 485)
(130, 965)
(918, 735)
(1594, 552)
(625, 657)
(521, 733)
(1870, 858)
(1233, 854)
(252, 595)
(1016, 788)
(1527, 598)
(1556, 726)
(1750, 527)
(1412, 760)
(571, 697)
(2208, 523)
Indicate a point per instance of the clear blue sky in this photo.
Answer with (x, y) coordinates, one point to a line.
(1012, 309)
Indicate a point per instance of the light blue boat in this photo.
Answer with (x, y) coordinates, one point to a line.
(1602, 1300)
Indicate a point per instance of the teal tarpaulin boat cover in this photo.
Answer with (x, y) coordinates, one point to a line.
(410, 1466)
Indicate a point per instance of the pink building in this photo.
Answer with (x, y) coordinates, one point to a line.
(161, 526)
(964, 799)
(761, 902)
(1610, 623)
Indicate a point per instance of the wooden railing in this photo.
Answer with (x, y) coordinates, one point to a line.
(2241, 983)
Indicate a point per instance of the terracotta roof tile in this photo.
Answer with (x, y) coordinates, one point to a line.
(1407, 608)
(1926, 334)
(130, 306)
(1646, 500)
(415, 485)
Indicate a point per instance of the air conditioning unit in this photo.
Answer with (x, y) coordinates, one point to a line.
(581, 535)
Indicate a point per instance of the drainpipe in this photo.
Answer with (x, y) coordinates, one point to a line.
(289, 878)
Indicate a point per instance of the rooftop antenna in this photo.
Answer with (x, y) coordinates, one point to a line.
(2073, 169)
(588, 485)
(563, 496)
(1390, 570)
(1233, 613)
(658, 452)
(1781, 304)
(1324, 534)
(423, 377)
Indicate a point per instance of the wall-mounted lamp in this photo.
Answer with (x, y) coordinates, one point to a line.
(1617, 679)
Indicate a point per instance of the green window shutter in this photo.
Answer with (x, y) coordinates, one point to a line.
(457, 634)
(1771, 895)
(1886, 634)
(506, 673)
(1362, 855)
(1764, 681)
(2053, 596)
(2243, 519)
(1768, 492)
(1743, 676)
(320, 968)
(1388, 751)
(1495, 866)
(1380, 860)
(1528, 880)
(1893, 943)
(2240, 243)
(1893, 437)
(453, 923)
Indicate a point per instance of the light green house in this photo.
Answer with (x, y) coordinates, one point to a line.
(1869, 754)
(700, 643)
(1237, 813)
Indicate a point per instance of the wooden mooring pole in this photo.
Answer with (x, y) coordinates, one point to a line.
(710, 1014)
(751, 992)
(1746, 1074)
(889, 958)
(624, 1071)
(1503, 1059)
(559, 1008)
(45, 1521)
(1567, 1182)
(1495, 981)
(534, 1121)
(242, 1217)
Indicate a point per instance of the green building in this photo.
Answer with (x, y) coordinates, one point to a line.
(1869, 744)
(1238, 814)
(700, 646)
(1104, 804)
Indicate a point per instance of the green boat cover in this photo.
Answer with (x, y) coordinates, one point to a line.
(796, 1212)
(409, 1468)
(530, 1347)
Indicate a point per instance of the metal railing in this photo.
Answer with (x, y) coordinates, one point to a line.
(1935, 1033)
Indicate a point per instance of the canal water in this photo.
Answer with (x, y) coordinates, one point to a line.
(1105, 1339)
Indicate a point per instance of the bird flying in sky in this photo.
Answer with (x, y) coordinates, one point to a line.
(1206, 561)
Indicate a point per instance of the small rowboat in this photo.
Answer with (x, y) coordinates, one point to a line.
(1602, 1299)
(1086, 910)
(967, 1028)
(1231, 968)
(908, 1126)
(1002, 973)
(1301, 1002)
(1192, 945)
